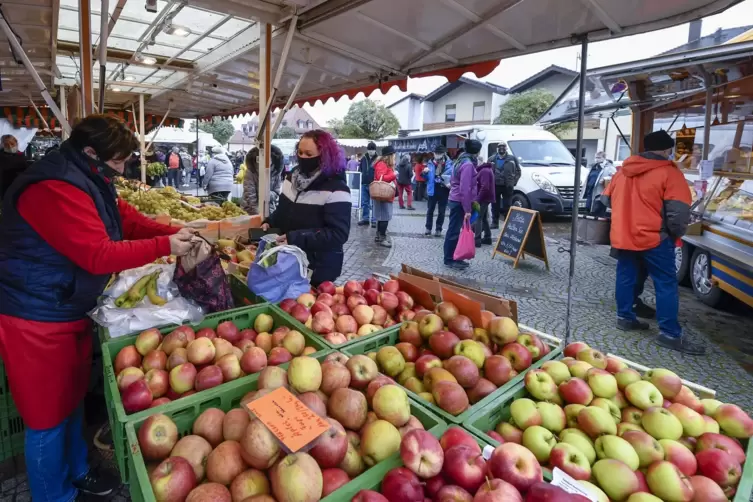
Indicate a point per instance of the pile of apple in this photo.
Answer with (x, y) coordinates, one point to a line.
(157, 370)
(453, 469)
(343, 313)
(449, 363)
(628, 436)
(233, 456)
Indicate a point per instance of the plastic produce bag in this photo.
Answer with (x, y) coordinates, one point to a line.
(278, 273)
(466, 248)
(200, 277)
(145, 314)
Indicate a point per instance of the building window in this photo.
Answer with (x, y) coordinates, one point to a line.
(479, 110)
(449, 113)
(309, 124)
(623, 149)
(284, 122)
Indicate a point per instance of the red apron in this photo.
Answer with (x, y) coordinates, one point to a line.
(48, 366)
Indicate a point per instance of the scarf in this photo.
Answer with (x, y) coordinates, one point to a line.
(301, 182)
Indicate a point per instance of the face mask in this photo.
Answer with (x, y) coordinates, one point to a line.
(308, 165)
(438, 156)
(371, 152)
(502, 151)
(13, 149)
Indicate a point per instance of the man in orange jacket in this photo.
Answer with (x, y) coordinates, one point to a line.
(650, 204)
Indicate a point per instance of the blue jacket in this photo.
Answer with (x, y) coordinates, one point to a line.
(36, 282)
(367, 169)
(431, 176)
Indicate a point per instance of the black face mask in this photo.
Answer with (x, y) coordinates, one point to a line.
(308, 165)
(102, 167)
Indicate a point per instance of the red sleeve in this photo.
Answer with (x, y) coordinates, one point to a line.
(137, 226)
(76, 231)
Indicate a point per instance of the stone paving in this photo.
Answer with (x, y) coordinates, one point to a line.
(542, 304)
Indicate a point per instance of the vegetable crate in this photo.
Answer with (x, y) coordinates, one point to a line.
(242, 296)
(303, 329)
(242, 317)
(227, 398)
(392, 338)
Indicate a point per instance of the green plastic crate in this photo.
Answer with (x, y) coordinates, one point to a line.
(11, 435)
(141, 490)
(303, 329)
(242, 317)
(7, 405)
(392, 338)
(242, 296)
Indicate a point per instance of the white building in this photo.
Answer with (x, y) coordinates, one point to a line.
(408, 111)
(464, 102)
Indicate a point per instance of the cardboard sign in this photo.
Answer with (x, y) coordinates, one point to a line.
(293, 423)
(523, 233)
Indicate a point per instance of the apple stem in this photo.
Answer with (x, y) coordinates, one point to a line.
(488, 483)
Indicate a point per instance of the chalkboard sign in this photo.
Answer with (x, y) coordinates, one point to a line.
(522, 234)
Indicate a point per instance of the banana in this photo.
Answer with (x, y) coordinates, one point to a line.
(151, 291)
(138, 290)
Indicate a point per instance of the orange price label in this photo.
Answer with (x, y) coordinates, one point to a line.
(291, 421)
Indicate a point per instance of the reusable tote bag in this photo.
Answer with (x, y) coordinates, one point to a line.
(466, 248)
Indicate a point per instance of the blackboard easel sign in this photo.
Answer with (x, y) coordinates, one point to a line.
(523, 233)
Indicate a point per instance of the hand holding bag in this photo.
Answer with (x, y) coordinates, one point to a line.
(466, 248)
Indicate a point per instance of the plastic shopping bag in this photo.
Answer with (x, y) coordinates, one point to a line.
(466, 248)
(278, 273)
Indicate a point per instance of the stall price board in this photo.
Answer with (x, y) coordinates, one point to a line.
(523, 233)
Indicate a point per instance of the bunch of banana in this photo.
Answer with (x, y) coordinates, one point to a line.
(145, 286)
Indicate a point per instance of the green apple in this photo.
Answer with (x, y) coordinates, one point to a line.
(595, 491)
(552, 417)
(648, 449)
(693, 424)
(571, 460)
(391, 361)
(644, 395)
(540, 441)
(602, 383)
(617, 448)
(524, 413)
(595, 422)
(609, 407)
(632, 415)
(540, 385)
(668, 383)
(711, 424)
(580, 440)
(557, 370)
(667, 482)
(661, 424)
(710, 406)
(379, 440)
(623, 427)
(472, 350)
(643, 497)
(625, 377)
(571, 414)
(619, 400)
(579, 369)
(616, 479)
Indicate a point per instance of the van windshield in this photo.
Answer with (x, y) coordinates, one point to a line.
(542, 152)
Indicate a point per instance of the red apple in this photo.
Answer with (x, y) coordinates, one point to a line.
(206, 333)
(443, 344)
(330, 448)
(355, 300)
(409, 351)
(372, 296)
(446, 310)
(433, 485)
(128, 357)
(516, 465)
(136, 397)
(465, 467)
(300, 313)
(498, 370)
(718, 465)
(572, 349)
(404, 300)
(401, 485)
(287, 304)
(338, 299)
(456, 436)
(462, 326)
(173, 479)
(409, 334)
(158, 382)
(320, 307)
(711, 440)
(339, 309)
(372, 283)
(352, 288)
(479, 391)
(228, 331)
(407, 315)
(519, 356)
(391, 286)
(253, 360)
(157, 437)
(208, 377)
(422, 453)
(453, 493)
(323, 323)
(388, 301)
(278, 356)
(332, 480)
(327, 287)
(368, 496)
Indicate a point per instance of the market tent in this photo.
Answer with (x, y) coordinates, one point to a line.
(181, 137)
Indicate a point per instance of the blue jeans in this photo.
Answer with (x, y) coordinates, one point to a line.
(172, 177)
(55, 458)
(660, 263)
(453, 231)
(365, 203)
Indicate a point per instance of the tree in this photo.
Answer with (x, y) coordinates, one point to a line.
(220, 129)
(366, 119)
(526, 108)
(285, 132)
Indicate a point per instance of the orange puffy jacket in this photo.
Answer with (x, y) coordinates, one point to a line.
(650, 202)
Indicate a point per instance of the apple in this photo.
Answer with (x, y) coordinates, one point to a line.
(259, 447)
(209, 425)
(379, 440)
(327, 287)
(482, 336)
(689, 399)
(710, 406)
(388, 301)
(472, 350)
(496, 490)
(602, 383)
(580, 440)
(571, 414)
(321, 307)
(661, 424)
(128, 357)
(335, 338)
(253, 360)
(402, 485)
(631, 415)
(450, 396)
(297, 477)
(457, 436)
(614, 365)
(519, 356)
(209, 377)
(177, 339)
(304, 374)
(306, 299)
(278, 356)
(532, 343)
(182, 377)
(540, 385)
(173, 479)
(464, 370)
(679, 455)
(648, 449)
(425, 363)
(346, 324)
(409, 334)
(614, 477)
(300, 313)
(719, 466)
(453, 493)
(597, 492)
(287, 304)
(617, 448)
(576, 391)
(372, 283)
(579, 369)
(502, 330)
(391, 403)
(557, 370)
(330, 448)
(667, 482)
(465, 467)
(540, 441)
(157, 437)
(552, 416)
(443, 343)
(714, 440)
(625, 377)
(429, 325)
(447, 311)
(643, 395)
(148, 340)
(225, 462)
(404, 300)
(372, 296)
(498, 370)
(323, 323)
(572, 349)
(128, 376)
(154, 360)
(592, 357)
(200, 351)
(525, 413)
(369, 496)
(609, 407)
(367, 329)
(222, 347)
(422, 453)
(693, 424)
(462, 326)
(734, 421)
(479, 391)
(707, 490)
(158, 382)
(668, 383)
(339, 309)
(349, 407)
(595, 421)
(571, 460)
(334, 376)
(516, 465)
(195, 449)
(362, 370)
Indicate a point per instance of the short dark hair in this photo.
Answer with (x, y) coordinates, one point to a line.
(108, 136)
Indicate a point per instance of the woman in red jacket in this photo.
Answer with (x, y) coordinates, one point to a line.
(64, 232)
(384, 170)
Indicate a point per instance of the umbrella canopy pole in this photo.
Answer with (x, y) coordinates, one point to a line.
(85, 57)
(265, 139)
(198, 159)
(142, 137)
(103, 32)
(576, 187)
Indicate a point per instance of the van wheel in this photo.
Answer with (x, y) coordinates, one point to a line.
(700, 274)
(520, 200)
(682, 264)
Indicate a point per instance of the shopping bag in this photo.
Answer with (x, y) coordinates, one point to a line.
(279, 273)
(201, 278)
(466, 248)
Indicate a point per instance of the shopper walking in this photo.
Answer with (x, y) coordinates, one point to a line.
(404, 176)
(250, 199)
(12, 162)
(173, 168)
(506, 175)
(384, 170)
(601, 170)
(366, 169)
(650, 204)
(218, 181)
(486, 197)
(63, 234)
(463, 191)
(185, 161)
(419, 177)
(315, 206)
(438, 173)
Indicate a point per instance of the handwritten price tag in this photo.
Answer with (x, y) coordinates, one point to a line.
(291, 421)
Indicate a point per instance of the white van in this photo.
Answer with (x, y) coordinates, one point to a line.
(548, 167)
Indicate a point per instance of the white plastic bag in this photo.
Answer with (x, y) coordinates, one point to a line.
(144, 315)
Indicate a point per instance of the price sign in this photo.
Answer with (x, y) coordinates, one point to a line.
(522, 233)
(291, 421)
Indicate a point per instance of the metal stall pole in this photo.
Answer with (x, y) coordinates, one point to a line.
(104, 14)
(142, 137)
(21, 54)
(198, 159)
(39, 114)
(265, 150)
(85, 57)
(291, 98)
(576, 191)
(707, 117)
(63, 110)
(156, 131)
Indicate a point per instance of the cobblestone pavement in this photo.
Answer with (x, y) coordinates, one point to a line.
(542, 303)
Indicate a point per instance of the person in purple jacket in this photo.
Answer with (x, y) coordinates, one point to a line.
(463, 190)
(485, 174)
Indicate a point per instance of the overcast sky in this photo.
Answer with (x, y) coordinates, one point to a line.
(513, 70)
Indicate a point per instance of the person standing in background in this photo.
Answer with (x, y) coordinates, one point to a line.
(420, 178)
(12, 162)
(186, 163)
(384, 170)
(366, 169)
(506, 175)
(352, 164)
(173, 168)
(601, 170)
(486, 196)
(463, 188)
(218, 181)
(404, 175)
(438, 172)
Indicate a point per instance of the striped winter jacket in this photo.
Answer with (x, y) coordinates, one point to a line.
(316, 220)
